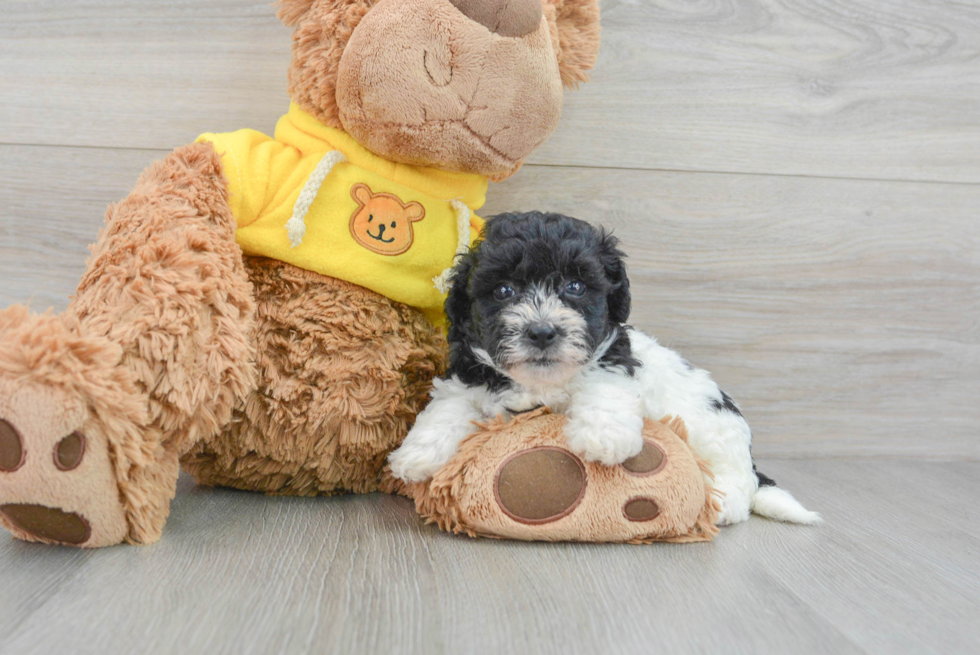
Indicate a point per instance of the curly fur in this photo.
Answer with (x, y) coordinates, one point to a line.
(273, 378)
(342, 373)
(156, 340)
(166, 283)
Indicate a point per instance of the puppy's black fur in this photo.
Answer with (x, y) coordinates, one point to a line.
(548, 250)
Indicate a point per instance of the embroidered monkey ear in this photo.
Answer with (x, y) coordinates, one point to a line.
(575, 32)
(414, 211)
(361, 193)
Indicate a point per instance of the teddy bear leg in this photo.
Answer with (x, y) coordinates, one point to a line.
(519, 480)
(96, 404)
(342, 373)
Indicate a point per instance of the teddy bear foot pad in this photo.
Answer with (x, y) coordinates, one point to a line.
(56, 483)
(518, 480)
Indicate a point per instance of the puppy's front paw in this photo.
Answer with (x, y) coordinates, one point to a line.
(735, 503)
(605, 437)
(417, 462)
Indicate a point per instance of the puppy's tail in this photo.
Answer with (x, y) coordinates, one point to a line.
(778, 504)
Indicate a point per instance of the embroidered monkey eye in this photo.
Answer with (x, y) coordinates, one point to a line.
(575, 288)
(503, 292)
(370, 217)
(394, 224)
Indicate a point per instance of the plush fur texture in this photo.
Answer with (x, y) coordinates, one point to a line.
(513, 18)
(154, 348)
(575, 28)
(166, 282)
(54, 382)
(538, 314)
(342, 372)
(460, 498)
(162, 353)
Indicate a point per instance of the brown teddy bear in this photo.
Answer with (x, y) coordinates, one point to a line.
(267, 311)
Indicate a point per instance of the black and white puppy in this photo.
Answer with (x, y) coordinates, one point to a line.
(538, 315)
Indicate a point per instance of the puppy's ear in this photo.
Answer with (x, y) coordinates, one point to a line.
(575, 33)
(458, 303)
(612, 258)
(620, 353)
(462, 361)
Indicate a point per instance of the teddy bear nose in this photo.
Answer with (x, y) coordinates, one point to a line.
(504, 17)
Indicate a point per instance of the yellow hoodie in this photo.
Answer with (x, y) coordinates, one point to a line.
(315, 198)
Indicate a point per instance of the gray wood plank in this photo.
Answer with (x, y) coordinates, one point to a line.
(865, 89)
(148, 74)
(841, 314)
(897, 512)
(52, 204)
(894, 570)
(884, 89)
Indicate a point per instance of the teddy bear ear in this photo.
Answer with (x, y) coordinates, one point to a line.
(291, 12)
(322, 30)
(575, 28)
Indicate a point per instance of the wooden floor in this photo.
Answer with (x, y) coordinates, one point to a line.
(797, 184)
(894, 570)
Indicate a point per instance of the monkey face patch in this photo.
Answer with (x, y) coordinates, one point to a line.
(382, 223)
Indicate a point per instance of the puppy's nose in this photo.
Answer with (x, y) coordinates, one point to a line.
(542, 335)
(504, 17)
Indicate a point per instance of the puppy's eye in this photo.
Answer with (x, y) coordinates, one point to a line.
(503, 292)
(575, 288)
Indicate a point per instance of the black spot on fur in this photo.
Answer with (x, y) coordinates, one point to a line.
(620, 354)
(726, 403)
(764, 480)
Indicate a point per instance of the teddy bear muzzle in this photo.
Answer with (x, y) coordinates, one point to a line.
(466, 85)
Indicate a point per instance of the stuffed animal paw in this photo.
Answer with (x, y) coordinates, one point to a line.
(519, 480)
